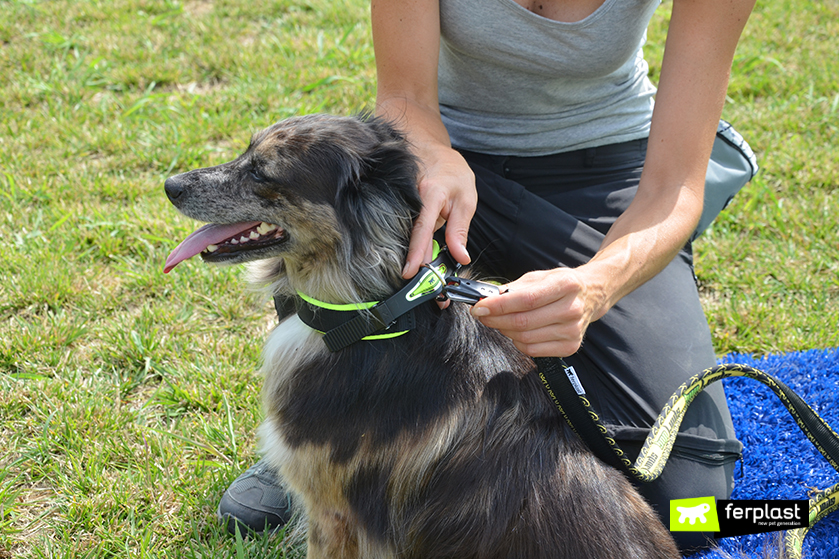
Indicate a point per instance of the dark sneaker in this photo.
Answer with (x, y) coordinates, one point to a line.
(256, 501)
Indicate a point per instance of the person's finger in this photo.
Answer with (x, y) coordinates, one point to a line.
(515, 297)
(562, 314)
(420, 246)
(457, 230)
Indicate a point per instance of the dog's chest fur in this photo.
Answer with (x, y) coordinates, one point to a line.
(363, 434)
(371, 400)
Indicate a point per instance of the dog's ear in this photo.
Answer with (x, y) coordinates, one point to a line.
(381, 203)
(391, 167)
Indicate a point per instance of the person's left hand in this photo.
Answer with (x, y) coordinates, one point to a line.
(545, 313)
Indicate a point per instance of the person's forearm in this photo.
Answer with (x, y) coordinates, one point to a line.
(419, 122)
(640, 244)
(700, 47)
(406, 37)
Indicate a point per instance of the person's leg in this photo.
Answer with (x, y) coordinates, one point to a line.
(540, 213)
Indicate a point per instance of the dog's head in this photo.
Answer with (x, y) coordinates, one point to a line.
(328, 196)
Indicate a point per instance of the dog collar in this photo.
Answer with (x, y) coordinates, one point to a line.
(344, 324)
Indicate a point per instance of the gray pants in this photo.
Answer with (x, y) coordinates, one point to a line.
(543, 212)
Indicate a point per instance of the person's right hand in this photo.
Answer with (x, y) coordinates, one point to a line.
(447, 189)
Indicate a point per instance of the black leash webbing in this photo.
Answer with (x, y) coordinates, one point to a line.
(554, 374)
(584, 420)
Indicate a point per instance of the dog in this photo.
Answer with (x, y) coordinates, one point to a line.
(439, 443)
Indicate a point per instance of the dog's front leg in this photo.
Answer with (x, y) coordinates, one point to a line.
(332, 535)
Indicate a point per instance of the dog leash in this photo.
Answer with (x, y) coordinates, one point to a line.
(567, 393)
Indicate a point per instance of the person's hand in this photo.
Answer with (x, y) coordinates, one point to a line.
(545, 313)
(447, 189)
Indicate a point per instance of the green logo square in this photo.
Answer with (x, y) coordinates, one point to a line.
(694, 515)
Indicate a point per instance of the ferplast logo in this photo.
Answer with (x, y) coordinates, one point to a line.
(736, 518)
(755, 517)
(694, 515)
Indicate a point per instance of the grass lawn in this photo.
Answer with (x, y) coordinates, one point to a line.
(129, 399)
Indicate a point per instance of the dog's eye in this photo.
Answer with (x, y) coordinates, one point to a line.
(257, 175)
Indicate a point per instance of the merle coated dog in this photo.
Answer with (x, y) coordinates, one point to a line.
(439, 443)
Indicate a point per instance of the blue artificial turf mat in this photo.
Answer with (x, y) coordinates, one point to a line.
(779, 462)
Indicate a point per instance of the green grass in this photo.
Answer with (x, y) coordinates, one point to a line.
(129, 399)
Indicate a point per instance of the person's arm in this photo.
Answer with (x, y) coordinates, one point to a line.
(547, 312)
(406, 38)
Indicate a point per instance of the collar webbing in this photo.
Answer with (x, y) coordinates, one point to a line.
(347, 323)
(342, 325)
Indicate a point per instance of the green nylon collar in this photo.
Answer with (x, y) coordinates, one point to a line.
(343, 324)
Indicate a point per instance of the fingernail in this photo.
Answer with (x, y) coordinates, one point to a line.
(480, 311)
(405, 269)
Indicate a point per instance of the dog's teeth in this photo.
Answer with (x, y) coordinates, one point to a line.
(211, 248)
(265, 228)
(254, 235)
(234, 242)
(243, 239)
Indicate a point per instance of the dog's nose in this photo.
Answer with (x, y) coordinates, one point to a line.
(174, 188)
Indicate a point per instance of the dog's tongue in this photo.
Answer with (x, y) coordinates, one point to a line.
(210, 234)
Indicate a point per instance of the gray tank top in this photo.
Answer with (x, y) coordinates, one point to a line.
(514, 83)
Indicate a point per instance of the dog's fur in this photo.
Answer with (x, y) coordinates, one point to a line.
(439, 443)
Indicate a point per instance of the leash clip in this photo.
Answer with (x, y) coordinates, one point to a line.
(455, 288)
(466, 291)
